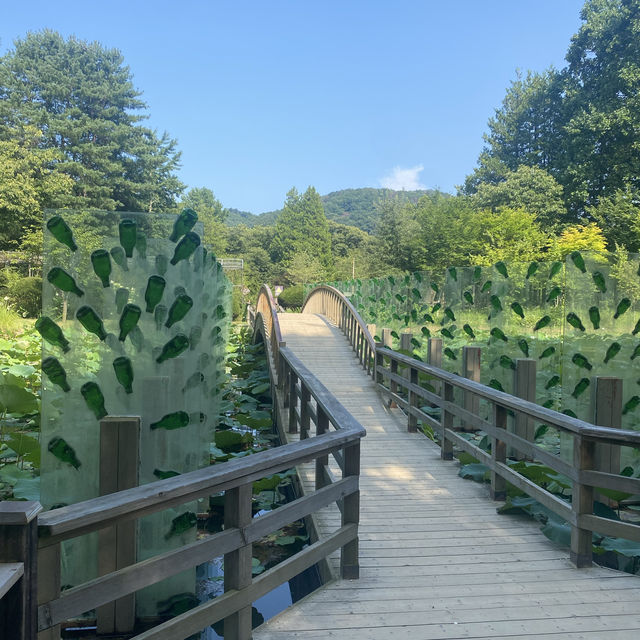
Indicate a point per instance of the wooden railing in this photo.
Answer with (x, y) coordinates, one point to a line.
(33, 539)
(332, 304)
(264, 318)
(404, 379)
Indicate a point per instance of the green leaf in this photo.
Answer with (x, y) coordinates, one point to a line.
(260, 388)
(21, 370)
(557, 531)
(26, 446)
(27, 489)
(267, 484)
(15, 399)
(475, 471)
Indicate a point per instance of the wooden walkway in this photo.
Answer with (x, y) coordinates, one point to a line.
(436, 561)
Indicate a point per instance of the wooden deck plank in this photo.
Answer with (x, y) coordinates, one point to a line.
(436, 560)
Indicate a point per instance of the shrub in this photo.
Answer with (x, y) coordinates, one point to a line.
(25, 294)
(292, 296)
(237, 304)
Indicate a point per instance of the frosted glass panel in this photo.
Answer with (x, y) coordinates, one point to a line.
(575, 317)
(134, 324)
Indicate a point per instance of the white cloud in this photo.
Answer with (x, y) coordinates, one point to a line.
(402, 179)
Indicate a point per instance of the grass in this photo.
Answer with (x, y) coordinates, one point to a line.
(11, 322)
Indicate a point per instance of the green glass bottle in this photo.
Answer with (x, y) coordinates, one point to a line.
(137, 338)
(179, 291)
(141, 243)
(124, 373)
(194, 380)
(64, 452)
(93, 397)
(127, 230)
(186, 247)
(52, 368)
(91, 321)
(173, 348)
(220, 312)
(129, 319)
(194, 336)
(179, 309)
(183, 224)
(122, 297)
(162, 263)
(198, 258)
(62, 280)
(160, 315)
(119, 257)
(101, 265)
(181, 525)
(52, 333)
(175, 420)
(154, 291)
(61, 232)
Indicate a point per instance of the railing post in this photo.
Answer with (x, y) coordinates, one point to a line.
(378, 362)
(386, 338)
(117, 545)
(237, 564)
(322, 426)
(293, 402)
(393, 385)
(49, 584)
(498, 454)
(349, 564)
(606, 398)
(471, 371)
(582, 502)
(305, 418)
(412, 424)
(405, 341)
(434, 357)
(524, 386)
(446, 447)
(19, 544)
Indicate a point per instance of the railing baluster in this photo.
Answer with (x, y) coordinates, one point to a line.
(446, 447)
(322, 426)
(305, 418)
(498, 454)
(293, 402)
(412, 423)
(349, 565)
(237, 564)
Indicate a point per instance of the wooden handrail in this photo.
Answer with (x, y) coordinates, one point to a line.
(532, 410)
(584, 477)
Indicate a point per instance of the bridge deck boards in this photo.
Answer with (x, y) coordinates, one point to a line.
(436, 560)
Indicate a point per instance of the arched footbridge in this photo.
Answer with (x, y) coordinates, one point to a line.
(433, 558)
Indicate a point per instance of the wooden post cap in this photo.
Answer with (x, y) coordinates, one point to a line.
(12, 513)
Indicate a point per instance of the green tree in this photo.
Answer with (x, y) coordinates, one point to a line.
(28, 184)
(529, 188)
(81, 96)
(619, 218)
(212, 215)
(398, 235)
(302, 227)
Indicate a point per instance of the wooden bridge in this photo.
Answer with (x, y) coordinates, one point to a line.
(407, 548)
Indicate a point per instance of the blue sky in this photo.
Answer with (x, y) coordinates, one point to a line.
(263, 96)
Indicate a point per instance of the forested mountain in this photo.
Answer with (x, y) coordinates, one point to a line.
(354, 207)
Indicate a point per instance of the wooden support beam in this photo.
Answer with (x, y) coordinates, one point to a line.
(349, 564)
(237, 564)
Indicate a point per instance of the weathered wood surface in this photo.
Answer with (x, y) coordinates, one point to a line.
(436, 560)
